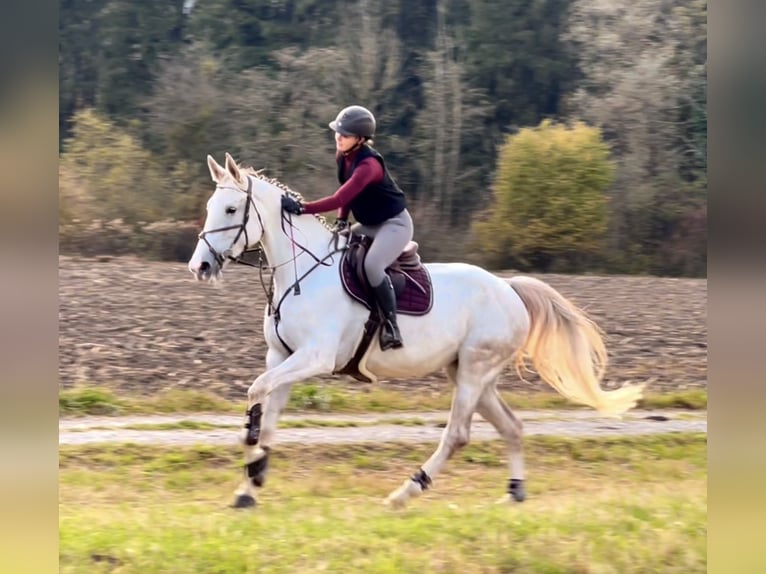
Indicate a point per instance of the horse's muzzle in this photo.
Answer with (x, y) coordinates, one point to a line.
(204, 271)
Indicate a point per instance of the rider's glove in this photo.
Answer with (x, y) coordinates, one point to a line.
(291, 205)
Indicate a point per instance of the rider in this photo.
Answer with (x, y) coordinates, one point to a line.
(370, 193)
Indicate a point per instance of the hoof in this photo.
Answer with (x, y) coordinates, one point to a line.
(519, 496)
(243, 501)
(402, 495)
(394, 503)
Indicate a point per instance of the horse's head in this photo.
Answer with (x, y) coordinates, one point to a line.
(233, 222)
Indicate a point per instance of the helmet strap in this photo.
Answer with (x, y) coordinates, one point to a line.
(357, 145)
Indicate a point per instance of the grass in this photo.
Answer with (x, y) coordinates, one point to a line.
(87, 401)
(178, 425)
(310, 397)
(627, 505)
(693, 399)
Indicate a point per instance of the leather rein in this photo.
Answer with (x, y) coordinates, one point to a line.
(222, 257)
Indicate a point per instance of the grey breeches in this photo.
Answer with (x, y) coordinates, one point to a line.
(390, 239)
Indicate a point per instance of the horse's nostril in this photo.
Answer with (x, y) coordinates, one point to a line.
(204, 267)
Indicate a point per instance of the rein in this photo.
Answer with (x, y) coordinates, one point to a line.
(295, 287)
(269, 292)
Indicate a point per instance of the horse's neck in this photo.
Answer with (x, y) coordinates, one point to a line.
(292, 260)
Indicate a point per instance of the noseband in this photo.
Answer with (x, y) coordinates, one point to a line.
(241, 228)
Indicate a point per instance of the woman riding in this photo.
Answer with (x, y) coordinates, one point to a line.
(370, 193)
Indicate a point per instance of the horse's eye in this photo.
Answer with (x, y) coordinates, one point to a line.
(231, 210)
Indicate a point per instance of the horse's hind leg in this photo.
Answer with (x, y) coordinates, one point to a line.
(493, 408)
(471, 377)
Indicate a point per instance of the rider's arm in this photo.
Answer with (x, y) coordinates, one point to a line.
(368, 171)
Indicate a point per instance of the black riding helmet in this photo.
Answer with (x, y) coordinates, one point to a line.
(354, 121)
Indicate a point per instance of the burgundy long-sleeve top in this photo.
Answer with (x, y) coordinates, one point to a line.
(367, 171)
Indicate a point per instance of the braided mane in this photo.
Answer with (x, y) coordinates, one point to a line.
(258, 174)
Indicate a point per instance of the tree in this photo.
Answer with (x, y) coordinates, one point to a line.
(442, 118)
(245, 33)
(276, 116)
(549, 210)
(107, 175)
(272, 119)
(644, 83)
(515, 54)
(78, 58)
(109, 51)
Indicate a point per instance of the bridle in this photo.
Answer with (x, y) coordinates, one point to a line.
(220, 258)
(241, 228)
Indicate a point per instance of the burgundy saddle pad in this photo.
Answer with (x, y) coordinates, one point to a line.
(412, 283)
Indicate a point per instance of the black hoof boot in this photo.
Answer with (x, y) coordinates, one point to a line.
(516, 489)
(243, 501)
(253, 425)
(256, 471)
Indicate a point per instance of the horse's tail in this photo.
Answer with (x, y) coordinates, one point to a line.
(567, 349)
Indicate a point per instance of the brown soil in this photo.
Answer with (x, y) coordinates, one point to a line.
(139, 327)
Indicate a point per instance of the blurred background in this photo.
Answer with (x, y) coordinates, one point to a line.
(538, 135)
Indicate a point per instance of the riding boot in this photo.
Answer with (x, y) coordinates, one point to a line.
(390, 337)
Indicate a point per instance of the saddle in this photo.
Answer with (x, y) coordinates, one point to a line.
(412, 285)
(411, 281)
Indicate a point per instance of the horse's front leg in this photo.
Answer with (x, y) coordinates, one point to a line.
(267, 397)
(260, 425)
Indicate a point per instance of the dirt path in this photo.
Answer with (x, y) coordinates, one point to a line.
(402, 427)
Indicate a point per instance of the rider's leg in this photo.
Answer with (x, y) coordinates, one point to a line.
(390, 239)
(390, 336)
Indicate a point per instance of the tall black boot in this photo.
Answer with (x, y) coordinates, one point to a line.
(390, 337)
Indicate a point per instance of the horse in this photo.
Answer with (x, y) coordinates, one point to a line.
(477, 324)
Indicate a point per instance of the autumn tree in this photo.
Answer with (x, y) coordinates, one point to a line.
(108, 175)
(549, 210)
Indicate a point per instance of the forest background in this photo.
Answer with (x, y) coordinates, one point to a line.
(538, 135)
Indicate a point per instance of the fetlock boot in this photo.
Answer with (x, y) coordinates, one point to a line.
(390, 337)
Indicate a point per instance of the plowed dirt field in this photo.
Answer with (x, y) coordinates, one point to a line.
(139, 327)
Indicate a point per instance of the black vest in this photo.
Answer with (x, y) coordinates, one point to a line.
(378, 201)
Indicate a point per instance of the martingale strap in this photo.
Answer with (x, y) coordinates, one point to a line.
(352, 367)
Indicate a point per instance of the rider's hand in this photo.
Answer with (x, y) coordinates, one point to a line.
(340, 225)
(291, 205)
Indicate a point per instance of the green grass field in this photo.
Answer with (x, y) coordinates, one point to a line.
(309, 397)
(622, 505)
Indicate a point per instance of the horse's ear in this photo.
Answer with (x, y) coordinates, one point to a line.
(216, 171)
(232, 168)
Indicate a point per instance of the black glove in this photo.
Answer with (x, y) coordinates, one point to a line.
(291, 205)
(340, 225)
